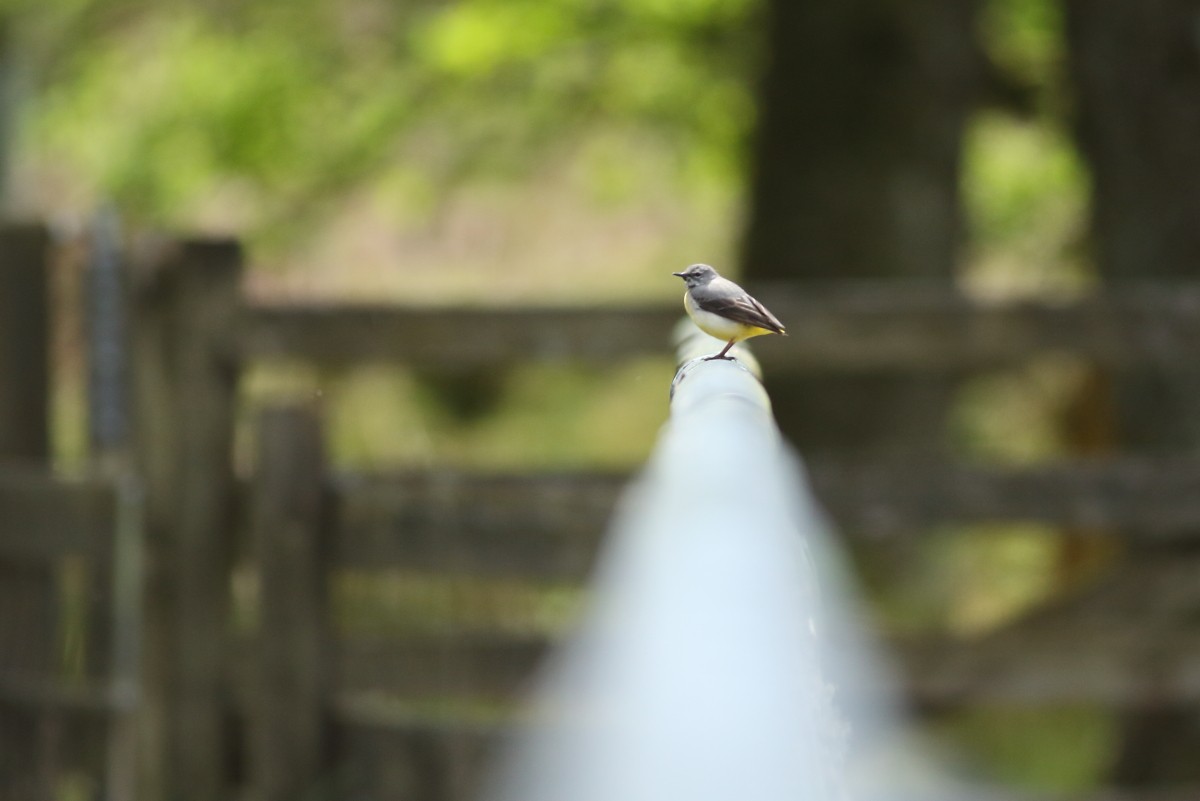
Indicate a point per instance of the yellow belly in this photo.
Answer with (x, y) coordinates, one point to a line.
(720, 327)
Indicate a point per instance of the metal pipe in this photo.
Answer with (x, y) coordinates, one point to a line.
(108, 346)
(722, 655)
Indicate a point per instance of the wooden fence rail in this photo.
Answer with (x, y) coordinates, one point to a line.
(445, 519)
(897, 327)
(47, 518)
(45, 522)
(1121, 663)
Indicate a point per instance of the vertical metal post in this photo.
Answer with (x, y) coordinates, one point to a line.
(107, 319)
(108, 340)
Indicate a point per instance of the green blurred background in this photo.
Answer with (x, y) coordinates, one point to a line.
(410, 149)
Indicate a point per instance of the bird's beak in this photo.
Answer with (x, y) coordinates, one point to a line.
(677, 275)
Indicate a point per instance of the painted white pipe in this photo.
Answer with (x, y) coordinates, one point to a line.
(721, 657)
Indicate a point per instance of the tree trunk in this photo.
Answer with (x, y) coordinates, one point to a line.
(1136, 70)
(856, 177)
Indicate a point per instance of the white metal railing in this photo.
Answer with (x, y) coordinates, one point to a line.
(721, 657)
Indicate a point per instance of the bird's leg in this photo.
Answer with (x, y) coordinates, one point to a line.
(722, 355)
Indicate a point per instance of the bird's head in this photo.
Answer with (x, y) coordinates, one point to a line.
(697, 275)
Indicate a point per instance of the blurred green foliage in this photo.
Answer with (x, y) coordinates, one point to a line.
(1057, 749)
(1024, 187)
(271, 119)
(263, 116)
(1025, 38)
(1016, 416)
(273, 110)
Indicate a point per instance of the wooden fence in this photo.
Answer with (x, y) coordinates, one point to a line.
(69, 570)
(546, 525)
(292, 703)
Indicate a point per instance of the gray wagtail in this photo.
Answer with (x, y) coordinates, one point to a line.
(722, 309)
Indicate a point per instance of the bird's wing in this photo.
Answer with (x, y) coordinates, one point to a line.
(740, 307)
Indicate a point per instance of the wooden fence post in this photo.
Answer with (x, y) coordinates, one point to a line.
(24, 343)
(27, 592)
(287, 716)
(153, 426)
(204, 298)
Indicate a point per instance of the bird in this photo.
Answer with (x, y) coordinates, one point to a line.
(722, 309)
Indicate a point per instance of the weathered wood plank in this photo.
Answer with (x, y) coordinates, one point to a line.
(388, 674)
(72, 727)
(379, 681)
(91, 698)
(44, 517)
(24, 342)
(402, 757)
(537, 525)
(1155, 496)
(446, 761)
(925, 327)
(28, 638)
(549, 524)
(454, 337)
(155, 430)
(1180, 793)
(287, 720)
(206, 302)
(470, 666)
(1115, 664)
(861, 327)
(1120, 665)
